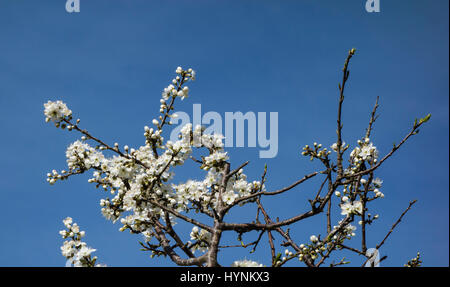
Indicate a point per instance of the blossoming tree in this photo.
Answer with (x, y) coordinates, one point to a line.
(148, 200)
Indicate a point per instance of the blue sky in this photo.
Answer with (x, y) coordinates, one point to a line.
(110, 62)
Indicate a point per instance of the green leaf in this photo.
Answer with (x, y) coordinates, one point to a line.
(425, 119)
(277, 258)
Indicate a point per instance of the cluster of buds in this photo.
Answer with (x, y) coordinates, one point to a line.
(378, 193)
(151, 135)
(415, 262)
(312, 250)
(53, 176)
(346, 193)
(189, 73)
(316, 152)
(288, 254)
(175, 89)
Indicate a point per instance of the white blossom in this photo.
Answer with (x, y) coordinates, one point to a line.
(202, 238)
(348, 208)
(377, 182)
(56, 111)
(78, 254)
(246, 263)
(141, 185)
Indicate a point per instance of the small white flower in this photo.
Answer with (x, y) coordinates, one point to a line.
(348, 208)
(68, 221)
(56, 111)
(377, 182)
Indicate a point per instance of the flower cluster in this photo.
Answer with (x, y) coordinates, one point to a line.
(173, 89)
(78, 254)
(202, 239)
(317, 247)
(313, 250)
(366, 151)
(347, 231)
(140, 180)
(56, 111)
(344, 147)
(205, 194)
(351, 190)
(349, 208)
(144, 197)
(82, 156)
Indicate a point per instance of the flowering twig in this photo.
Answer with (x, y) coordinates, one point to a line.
(148, 201)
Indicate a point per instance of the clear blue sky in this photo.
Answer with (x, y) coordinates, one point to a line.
(111, 61)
